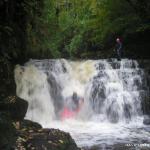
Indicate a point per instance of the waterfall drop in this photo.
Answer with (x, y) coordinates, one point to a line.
(112, 91)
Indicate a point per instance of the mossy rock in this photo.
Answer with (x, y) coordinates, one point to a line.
(30, 125)
(16, 107)
(32, 136)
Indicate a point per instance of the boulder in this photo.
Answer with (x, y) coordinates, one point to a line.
(32, 136)
(15, 106)
(146, 120)
(18, 109)
(11, 109)
(28, 124)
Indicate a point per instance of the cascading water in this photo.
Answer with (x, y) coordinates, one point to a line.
(112, 92)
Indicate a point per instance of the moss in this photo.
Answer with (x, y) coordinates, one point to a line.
(31, 136)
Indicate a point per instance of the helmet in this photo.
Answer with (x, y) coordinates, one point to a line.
(74, 96)
(118, 40)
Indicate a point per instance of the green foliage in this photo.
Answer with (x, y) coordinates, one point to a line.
(74, 45)
(68, 28)
(93, 22)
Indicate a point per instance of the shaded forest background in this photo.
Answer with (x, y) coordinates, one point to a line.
(73, 28)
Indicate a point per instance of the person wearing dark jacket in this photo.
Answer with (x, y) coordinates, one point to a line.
(118, 48)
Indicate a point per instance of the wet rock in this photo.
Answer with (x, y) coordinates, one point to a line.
(145, 103)
(11, 109)
(144, 63)
(39, 138)
(146, 120)
(127, 112)
(115, 64)
(112, 114)
(113, 117)
(16, 107)
(55, 91)
(30, 125)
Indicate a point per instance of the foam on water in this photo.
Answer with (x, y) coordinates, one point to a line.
(95, 133)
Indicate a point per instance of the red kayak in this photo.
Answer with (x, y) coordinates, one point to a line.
(66, 114)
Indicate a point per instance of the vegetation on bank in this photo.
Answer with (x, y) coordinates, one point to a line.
(73, 28)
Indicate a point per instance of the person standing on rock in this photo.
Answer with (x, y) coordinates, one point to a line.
(118, 48)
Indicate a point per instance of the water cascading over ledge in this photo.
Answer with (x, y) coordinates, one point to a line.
(112, 90)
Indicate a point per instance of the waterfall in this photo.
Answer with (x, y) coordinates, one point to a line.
(32, 86)
(115, 91)
(112, 90)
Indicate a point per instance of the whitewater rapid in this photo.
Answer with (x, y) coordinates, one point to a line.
(88, 134)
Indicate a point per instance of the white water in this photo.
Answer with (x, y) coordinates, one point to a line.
(112, 94)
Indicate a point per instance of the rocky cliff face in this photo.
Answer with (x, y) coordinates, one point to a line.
(145, 65)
